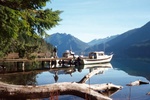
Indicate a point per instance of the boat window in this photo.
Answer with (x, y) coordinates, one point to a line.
(95, 56)
(91, 55)
(100, 54)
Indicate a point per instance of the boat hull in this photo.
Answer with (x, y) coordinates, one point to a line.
(97, 61)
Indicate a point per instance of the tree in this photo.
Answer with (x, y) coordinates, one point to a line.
(19, 17)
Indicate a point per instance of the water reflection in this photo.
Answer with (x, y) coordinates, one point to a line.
(60, 70)
(95, 69)
(13, 67)
(30, 77)
(133, 67)
(21, 78)
(100, 67)
(119, 71)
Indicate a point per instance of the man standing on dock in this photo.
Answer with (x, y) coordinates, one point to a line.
(55, 52)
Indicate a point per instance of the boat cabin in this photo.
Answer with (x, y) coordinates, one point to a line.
(68, 54)
(96, 55)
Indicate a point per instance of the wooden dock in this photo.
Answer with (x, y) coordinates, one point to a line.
(36, 59)
(51, 61)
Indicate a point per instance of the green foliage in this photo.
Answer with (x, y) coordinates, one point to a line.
(21, 19)
(1, 54)
(26, 45)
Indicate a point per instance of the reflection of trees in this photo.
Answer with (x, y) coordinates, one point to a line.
(20, 79)
(12, 73)
(10, 67)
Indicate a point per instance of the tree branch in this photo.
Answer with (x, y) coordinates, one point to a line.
(7, 90)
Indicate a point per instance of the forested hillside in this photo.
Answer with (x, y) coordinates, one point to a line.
(134, 43)
(101, 40)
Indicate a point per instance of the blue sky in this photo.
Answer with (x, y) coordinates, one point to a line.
(94, 19)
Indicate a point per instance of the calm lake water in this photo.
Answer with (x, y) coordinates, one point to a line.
(118, 72)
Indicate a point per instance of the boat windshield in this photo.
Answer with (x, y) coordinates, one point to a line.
(92, 55)
(100, 54)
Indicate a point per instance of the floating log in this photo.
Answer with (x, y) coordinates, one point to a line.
(105, 86)
(148, 93)
(33, 92)
(136, 83)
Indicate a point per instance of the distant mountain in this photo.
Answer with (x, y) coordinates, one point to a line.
(133, 43)
(65, 42)
(102, 40)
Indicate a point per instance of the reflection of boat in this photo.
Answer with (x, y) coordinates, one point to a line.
(62, 70)
(103, 65)
(97, 57)
(95, 69)
(99, 68)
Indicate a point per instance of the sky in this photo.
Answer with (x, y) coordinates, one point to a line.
(95, 19)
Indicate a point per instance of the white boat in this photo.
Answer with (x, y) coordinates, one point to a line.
(69, 54)
(96, 58)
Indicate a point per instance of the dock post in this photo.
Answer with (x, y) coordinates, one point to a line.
(43, 64)
(63, 62)
(49, 63)
(17, 66)
(23, 66)
(53, 62)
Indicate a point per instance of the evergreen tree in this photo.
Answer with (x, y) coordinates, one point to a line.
(18, 17)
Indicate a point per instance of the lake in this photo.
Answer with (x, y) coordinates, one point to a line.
(118, 72)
